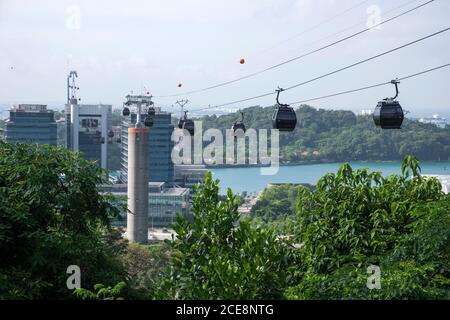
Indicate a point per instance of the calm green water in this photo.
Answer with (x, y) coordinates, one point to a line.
(251, 180)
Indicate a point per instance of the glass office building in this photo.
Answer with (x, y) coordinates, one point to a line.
(164, 204)
(187, 175)
(161, 168)
(31, 123)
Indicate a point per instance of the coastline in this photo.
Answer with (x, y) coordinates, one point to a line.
(308, 162)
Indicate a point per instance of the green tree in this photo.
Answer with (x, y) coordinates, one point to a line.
(216, 256)
(146, 266)
(277, 202)
(52, 215)
(355, 219)
(101, 292)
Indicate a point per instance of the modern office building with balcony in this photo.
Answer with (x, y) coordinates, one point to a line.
(87, 128)
(31, 123)
(161, 168)
(187, 175)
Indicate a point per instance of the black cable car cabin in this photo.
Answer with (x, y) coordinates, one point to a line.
(189, 126)
(284, 117)
(180, 123)
(388, 113)
(186, 124)
(148, 122)
(239, 126)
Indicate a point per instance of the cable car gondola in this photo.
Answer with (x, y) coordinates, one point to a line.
(151, 112)
(148, 122)
(126, 112)
(284, 117)
(388, 113)
(187, 124)
(180, 123)
(110, 134)
(239, 127)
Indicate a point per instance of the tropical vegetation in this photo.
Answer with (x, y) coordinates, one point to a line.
(338, 135)
(53, 215)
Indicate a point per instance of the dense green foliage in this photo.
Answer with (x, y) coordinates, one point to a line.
(101, 292)
(52, 216)
(276, 202)
(355, 219)
(336, 135)
(146, 266)
(276, 208)
(216, 256)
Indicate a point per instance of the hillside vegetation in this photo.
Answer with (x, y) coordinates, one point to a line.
(337, 135)
(330, 135)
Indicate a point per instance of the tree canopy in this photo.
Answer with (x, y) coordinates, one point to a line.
(216, 256)
(355, 219)
(52, 215)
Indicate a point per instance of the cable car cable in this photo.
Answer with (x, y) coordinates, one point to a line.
(371, 86)
(329, 73)
(368, 59)
(358, 24)
(298, 57)
(314, 27)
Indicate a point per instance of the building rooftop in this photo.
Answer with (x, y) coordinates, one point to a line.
(30, 108)
(155, 188)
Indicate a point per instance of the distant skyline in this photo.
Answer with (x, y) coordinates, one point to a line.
(118, 47)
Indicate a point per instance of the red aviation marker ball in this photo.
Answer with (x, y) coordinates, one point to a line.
(242, 61)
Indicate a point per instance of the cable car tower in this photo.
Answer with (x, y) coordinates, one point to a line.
(137, 216)
(72, 88)
(185, 123)
(181, 103)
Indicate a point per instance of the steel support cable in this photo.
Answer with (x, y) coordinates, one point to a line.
(297, 57)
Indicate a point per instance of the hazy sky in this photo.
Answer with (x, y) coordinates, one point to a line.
(119, 46)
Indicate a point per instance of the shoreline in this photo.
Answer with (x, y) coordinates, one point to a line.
(309, 162)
